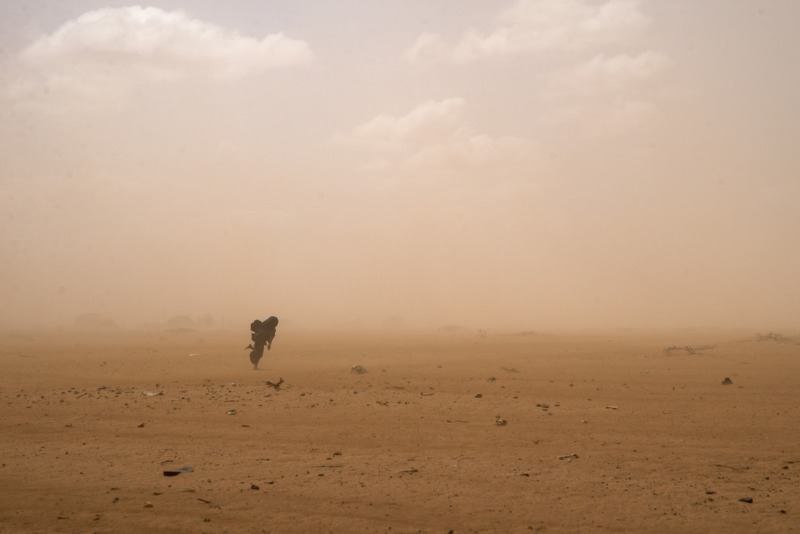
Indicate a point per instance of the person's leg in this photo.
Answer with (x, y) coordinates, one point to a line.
(256, 354)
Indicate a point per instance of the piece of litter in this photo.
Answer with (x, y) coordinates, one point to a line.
(193, 354)
(149, 394)
(612, 407)
(176, 472)
(409, 471)
(568, 457)
(230, 412)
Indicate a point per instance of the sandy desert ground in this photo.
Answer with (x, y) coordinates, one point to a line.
(604, 432)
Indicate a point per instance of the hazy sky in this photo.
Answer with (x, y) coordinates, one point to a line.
(534, 164)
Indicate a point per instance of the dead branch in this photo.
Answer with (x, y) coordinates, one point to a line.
(734, 468)
(276, 385)
(687, 348)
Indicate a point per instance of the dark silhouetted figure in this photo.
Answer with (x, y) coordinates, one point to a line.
(263, 334)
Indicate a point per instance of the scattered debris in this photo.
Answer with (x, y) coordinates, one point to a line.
(778, 338)
(275, 385)
(568, 457)
(358, 370)
(727, 381)
(176, 472)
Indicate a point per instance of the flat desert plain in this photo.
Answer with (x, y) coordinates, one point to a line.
(446, 431)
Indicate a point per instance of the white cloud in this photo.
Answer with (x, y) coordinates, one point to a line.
(539, 25)
(614, 73)
(430, 121)
(606, 95)
(435, 134)
(107, 50)
(617, 72)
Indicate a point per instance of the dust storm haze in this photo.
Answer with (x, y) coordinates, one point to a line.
(529, 164)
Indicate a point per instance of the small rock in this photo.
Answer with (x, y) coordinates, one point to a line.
(746, 499)
(230, 412)
(499, 421)
(358, 370)
(254, 487)
(140, 425)
(148, 504)
(479, 396)
(727, 381)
